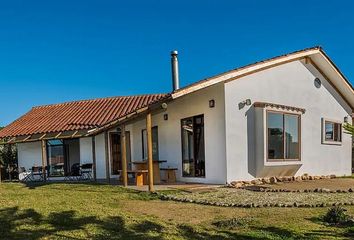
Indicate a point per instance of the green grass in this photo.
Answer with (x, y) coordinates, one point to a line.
(92, 211)
(352, 176)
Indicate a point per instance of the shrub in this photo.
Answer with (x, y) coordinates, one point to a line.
(336, 215)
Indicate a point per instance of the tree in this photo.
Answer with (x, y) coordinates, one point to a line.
(349, 128)
(8, 158)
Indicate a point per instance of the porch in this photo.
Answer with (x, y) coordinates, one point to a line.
(105, 156)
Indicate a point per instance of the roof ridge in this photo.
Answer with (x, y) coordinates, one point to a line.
(95, 99)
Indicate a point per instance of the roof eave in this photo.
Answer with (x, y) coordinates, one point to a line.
(246, 70)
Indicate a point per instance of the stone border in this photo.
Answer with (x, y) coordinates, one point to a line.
(273, 180)
(251, 205)
(316, 190)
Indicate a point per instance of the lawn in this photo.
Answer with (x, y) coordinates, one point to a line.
(90, 211)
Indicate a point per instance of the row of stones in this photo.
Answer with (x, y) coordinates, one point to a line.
(253, 205)
(273, 180)
(316, 190)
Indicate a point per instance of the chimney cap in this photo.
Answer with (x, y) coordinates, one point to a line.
(174, 52)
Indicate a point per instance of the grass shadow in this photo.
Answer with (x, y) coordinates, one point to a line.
(18, 223)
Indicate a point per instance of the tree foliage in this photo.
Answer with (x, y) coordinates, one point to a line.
(8, 155)
(8, 158)
(349, 128)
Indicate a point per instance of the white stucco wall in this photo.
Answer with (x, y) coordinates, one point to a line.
(290, 84)
(86, 150)
(100, 157)
(169, 133)
(29, 154)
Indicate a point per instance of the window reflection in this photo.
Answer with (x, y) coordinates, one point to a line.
(56, 158)
(283, 136)
(275, 136)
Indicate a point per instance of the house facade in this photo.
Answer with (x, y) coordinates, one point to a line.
(279, 117)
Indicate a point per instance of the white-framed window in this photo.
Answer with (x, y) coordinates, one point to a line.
(331, 132)
(283, 136)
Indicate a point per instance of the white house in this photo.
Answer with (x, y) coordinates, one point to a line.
(278, 117)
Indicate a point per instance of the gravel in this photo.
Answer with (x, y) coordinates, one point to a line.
(244, 198)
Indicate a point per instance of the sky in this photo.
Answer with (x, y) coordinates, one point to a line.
(58, 51)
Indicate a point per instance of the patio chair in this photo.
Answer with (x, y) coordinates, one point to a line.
(25, 176)
(75, 173)
(37, 171)
(86, 171)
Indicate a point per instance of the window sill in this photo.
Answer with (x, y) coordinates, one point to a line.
(192, 177)
(282, 162)
(331, 143)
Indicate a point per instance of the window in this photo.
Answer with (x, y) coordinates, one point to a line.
(155, 143)
(331, 132)
(283, 136)
(193, 149)
(56, 158)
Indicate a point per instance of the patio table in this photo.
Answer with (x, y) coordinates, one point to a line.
(143, 165)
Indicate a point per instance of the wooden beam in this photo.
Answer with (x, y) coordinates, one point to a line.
(12, 139)
(42, 136)
(93, 146)
(44, 159)
(74, 133)
(149, 151)
(123, 143)
(28, 137)
(58, 135)
(106, 156)
(307, 60)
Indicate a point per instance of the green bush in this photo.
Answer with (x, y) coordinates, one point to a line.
(336, 215)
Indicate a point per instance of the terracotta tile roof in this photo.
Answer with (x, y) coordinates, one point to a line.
(77, 115)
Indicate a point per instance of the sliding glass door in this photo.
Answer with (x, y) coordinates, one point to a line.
(56, 158)
(193, 148)
(62, 155)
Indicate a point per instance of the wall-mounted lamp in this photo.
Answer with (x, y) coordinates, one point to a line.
(317, 82)
(211, 103)
(244, 103)
(165, 117)
(346, 119)
(164, 105)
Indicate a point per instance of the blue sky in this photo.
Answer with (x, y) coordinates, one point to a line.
(55, 51)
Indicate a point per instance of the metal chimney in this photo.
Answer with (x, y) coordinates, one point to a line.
(175, 74)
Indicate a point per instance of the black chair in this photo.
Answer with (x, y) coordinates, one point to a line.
(75, 173)
(86, 171)
(37, 171)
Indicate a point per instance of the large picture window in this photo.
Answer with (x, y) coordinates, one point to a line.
(193, 149)
(331, 132)
(283, 136)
